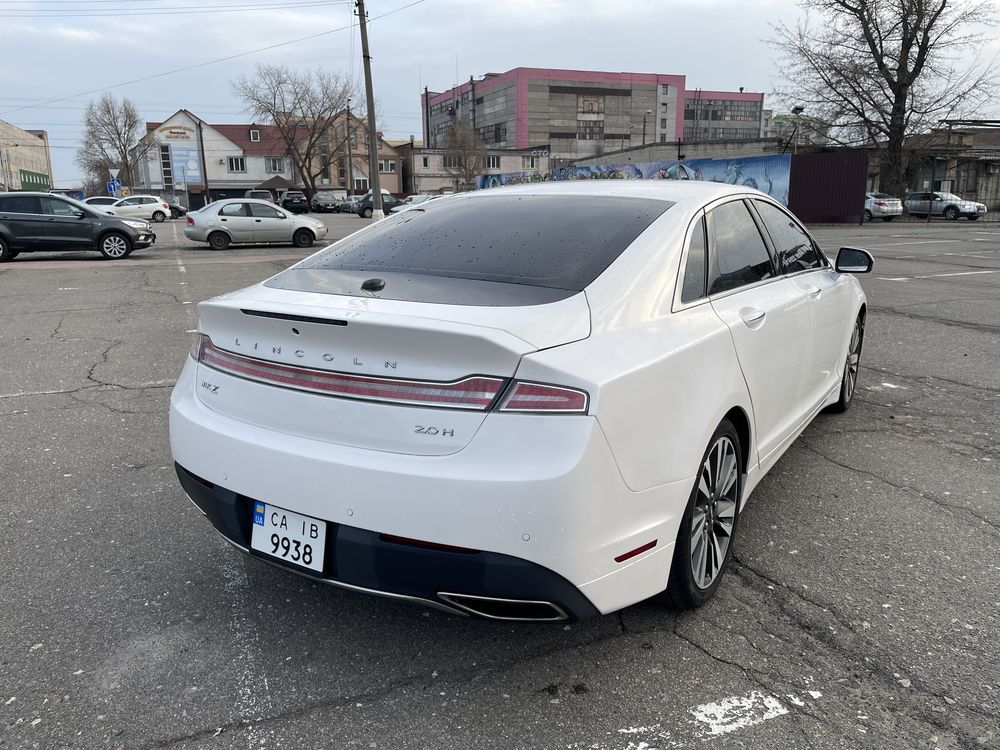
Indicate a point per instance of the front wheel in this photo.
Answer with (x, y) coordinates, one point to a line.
(849, 381)
(868, 216)
(705, 540)
(115, 246)
(951, 213)
(5, 252)
(303, 238)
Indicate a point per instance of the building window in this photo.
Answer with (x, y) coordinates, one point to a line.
(274, 164)
(663, 123)
(589, 104)
(664, 89)
(425, 161)
(590, 130)
(255, 136)
(165, 168)
(452, 162)
(237, 164)
(387, 166)
(529, 162)
(663, 108)
(493, 162)
(360, 184)
(663, 137)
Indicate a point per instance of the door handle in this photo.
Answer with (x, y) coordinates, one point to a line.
(257, 221)
(753, 316)
(223, 219)
(814, 291)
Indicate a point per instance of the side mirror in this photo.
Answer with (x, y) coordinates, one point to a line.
(79, 214)
(854, 260)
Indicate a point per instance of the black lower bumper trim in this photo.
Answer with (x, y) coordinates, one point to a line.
(361, 559)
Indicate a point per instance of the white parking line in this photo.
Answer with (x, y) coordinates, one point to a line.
(936, 275)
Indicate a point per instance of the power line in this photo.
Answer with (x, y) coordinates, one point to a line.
(168, 11)
(210, 62)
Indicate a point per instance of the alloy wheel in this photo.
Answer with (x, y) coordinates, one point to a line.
(714, 515)
(115, 246)
(853, 362)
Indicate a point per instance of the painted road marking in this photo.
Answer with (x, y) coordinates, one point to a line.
(936, 275)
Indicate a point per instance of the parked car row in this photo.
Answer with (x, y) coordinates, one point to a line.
(921, 204)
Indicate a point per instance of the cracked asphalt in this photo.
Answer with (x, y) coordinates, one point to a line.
(862, 609)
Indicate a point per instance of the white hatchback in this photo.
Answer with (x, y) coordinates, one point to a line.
(140, 207)
(531, 403)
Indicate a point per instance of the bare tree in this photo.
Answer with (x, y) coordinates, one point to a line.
(464, 154)
(879, 71)
(114, 138)
(304, 107)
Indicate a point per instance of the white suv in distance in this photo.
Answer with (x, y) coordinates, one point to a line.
(141, 207)
(882, 206)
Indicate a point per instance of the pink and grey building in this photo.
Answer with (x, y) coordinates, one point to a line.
(581, 113)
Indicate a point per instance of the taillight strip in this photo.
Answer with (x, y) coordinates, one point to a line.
(475, 392)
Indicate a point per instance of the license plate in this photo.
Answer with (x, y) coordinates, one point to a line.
(288, 536)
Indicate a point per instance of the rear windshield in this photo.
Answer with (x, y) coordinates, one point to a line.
(553, 241)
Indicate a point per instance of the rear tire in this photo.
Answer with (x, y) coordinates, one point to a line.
(852, 365)
(6, 253)
(303, 238)
(705, 540)
(951, 213)
(367, 213)
(115, 246)
(218, 240)
(158, 216)
(868, 216)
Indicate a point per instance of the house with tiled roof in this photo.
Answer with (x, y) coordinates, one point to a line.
(234, 158)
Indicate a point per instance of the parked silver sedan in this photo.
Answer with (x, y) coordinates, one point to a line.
(250, 221)
(882, 206)
(948, 205)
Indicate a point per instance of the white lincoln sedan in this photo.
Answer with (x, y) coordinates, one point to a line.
(542, 402)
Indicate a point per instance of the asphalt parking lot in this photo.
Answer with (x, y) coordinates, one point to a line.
(862, 609)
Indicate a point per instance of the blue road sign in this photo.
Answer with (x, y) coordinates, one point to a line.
(114, 185)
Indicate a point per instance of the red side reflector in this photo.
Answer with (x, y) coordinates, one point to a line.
(474, 392)
(636, 551)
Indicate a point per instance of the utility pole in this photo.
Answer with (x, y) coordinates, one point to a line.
(204, 164)
(373, 181)
(350, 155)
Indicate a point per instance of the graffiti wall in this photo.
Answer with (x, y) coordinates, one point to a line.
(769, 174)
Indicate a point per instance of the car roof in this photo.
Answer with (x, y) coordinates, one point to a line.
(674, 191)
(241, 200)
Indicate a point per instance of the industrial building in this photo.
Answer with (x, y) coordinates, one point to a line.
(580, 114)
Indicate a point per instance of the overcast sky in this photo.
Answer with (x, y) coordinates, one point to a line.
(434, 43)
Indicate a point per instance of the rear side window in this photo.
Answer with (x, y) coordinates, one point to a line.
(791, 242)
(739, 255)
(20, 204)
(694, 270)
(554, 241)
(233, 209)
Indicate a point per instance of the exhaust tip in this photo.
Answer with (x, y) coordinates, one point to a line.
(494, 608)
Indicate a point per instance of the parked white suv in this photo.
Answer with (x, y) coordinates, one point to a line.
(141, 207)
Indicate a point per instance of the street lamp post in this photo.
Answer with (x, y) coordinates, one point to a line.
(797, 112)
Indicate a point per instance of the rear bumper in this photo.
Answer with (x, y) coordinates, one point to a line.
(541, 498)
(363, 560)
